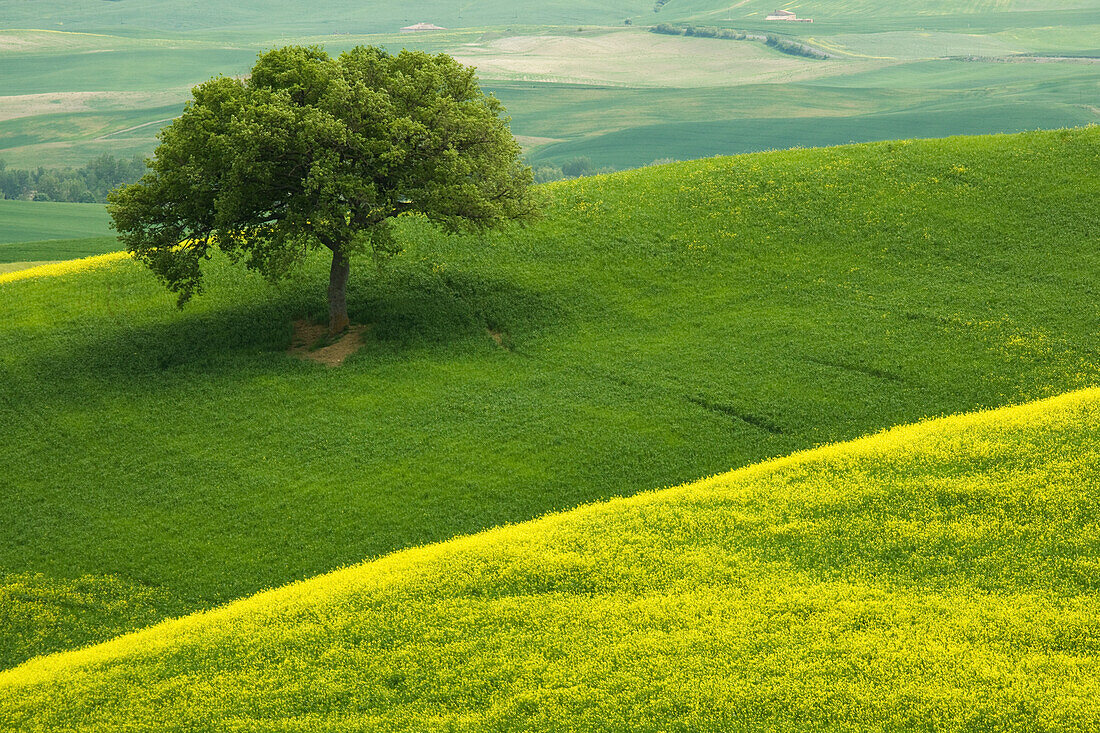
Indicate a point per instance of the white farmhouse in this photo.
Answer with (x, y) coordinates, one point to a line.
(788, 15)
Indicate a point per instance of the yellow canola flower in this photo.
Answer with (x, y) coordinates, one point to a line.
(63, 268)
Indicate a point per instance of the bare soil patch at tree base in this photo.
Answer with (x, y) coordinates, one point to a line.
(311, 341)
(498, 338)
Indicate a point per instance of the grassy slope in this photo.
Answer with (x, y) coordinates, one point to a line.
(663, 324)
(935, 577)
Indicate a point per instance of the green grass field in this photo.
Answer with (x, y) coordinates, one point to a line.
(931, 578)
(657, 326)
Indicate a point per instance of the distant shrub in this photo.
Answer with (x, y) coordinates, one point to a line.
(573, 168)
(667, 29)
(794, 48)
(779, 43)
(576, 167)
(729, 34)
(732, 34)
(547, 173)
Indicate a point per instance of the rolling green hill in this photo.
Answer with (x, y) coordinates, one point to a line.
(939, 577)
(655, 326)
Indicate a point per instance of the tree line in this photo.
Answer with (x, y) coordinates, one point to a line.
(779, 43)
(92, 182)
(88, 184)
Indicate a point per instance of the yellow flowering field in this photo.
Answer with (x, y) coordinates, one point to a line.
(63, 268)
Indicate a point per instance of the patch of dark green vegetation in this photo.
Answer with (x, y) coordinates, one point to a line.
(661, 324)
(575, 167)
(779, 43)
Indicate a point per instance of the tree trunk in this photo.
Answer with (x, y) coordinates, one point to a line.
(338, 292)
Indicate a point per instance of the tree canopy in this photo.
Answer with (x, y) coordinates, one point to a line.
(311, 151)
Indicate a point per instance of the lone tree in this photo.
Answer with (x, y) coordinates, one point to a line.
(312, 151)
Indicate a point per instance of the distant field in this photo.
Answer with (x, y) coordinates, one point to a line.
(33, 232)
(657, 326)
(681, 141)
(65, 139)
(637, 58)
(917, 45)
(155, 18)
(1059, 21)
(70, 96)
(16, 255)
(28, 221)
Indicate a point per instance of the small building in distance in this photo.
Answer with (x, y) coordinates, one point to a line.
(788, 15)
(423, 27)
